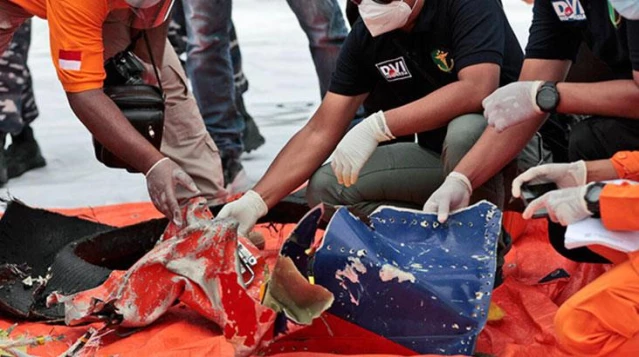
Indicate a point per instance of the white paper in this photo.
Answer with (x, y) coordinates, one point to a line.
(591, 231)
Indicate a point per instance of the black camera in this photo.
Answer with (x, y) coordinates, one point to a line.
(141, 104)
(123, 69)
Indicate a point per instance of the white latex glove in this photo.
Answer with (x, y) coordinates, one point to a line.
(564, 206)
(161, 180)
(564, 175)
(246, 211)
(357, 146)
(452, 195)
(512, 104)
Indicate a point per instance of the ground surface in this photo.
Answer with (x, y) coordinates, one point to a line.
(277, 63)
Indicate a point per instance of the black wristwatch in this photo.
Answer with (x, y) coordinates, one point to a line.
(548, 97)
(592, 198)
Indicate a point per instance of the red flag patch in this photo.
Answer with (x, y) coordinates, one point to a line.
(70, 60)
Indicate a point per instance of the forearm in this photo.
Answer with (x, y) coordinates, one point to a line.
(309, 148)
(493, 151)
(600, 170)
(106, 122)
(295, 164)
(613, 98)
(438, 108)
(435, 110)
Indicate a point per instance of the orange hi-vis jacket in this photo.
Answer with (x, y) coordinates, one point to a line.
(602, 319)
(75, 31)
(619, 204)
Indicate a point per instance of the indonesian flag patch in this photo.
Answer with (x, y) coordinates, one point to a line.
(70, 60)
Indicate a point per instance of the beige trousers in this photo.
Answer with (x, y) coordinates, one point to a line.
(185, 138)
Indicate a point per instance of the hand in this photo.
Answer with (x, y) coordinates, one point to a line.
(246, 210)
(564, 175)
(512, 104)
(357, 146)
(564, 206)
(161, 181)
(452, 195)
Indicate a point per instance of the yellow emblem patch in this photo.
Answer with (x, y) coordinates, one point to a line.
(442, 61)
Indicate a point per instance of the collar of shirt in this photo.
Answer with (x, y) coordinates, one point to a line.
(424, 21)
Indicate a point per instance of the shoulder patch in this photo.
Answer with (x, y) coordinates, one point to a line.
(569, 10)
(70, 60)
(440, 57)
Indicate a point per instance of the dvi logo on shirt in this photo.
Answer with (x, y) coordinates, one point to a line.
(394, 70)
(569, 10)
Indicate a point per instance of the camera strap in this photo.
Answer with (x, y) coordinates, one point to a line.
(129, 48)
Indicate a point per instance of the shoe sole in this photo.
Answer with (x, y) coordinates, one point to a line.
(254, 146)
(21, 168)
(252, 137)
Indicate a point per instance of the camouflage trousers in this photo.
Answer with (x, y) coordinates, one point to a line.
(17, 103)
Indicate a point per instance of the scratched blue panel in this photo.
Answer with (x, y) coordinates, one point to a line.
(301, 238)
(446, 274)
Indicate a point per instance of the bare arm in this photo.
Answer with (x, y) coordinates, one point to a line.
(309, 148)
(600, 170)
(441, 106)
(611, 98)
(494, 150)
(106, 122)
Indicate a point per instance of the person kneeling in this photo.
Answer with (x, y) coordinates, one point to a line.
(602, 318)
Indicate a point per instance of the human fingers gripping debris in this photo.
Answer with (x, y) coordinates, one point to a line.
(162, 180)
(453, 194)
(246, 210)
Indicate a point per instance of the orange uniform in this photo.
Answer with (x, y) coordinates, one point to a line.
(603, 318)
(620, 204)
(75, 29)
(85, 32)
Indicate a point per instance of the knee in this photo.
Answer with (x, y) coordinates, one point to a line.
(582, 332)
(568, 327)
(461, 135)
(322, 187)
(464, 131)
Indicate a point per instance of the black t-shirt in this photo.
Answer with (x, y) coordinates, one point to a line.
(559, 27)
(448, 36)
(398, 68)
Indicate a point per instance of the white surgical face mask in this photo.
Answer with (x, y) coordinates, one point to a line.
(382, 18)
(628, 9)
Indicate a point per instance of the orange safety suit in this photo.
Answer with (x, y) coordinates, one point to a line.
(77, 46)
(602, 319)
(82, 34)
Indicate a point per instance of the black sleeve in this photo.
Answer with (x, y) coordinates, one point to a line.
(351, 76)
(632, 27)
(478, 32)
(549, 38)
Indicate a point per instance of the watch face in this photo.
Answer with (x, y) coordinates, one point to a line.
(547, 99)
(593, 193)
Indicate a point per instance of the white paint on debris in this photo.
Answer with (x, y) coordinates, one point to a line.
(390, 272)
(351, 271)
